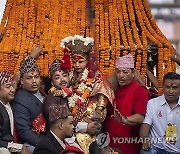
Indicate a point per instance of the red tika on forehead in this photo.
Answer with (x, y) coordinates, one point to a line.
(77, 57)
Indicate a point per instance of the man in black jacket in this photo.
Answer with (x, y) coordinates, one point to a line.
(7, 133)
(61, 127)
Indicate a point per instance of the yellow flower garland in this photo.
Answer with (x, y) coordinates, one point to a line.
(119, 27)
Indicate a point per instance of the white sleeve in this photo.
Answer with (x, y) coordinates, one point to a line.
(81, 127)
(72, 142)
(14, 147)
(148, 117)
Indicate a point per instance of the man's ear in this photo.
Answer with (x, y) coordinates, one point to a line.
(21, 81)
(52, 83)
(134, 73)
(60, 125)
(133, 70)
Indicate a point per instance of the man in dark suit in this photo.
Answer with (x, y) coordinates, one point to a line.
(7, 133)
(27, 105)
(61, 127)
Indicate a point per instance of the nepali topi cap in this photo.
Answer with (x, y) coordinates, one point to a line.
(57, 112)
(125, 62)
(28, 65)
(5, 77)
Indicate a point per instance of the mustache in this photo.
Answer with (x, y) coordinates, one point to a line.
(63, 82)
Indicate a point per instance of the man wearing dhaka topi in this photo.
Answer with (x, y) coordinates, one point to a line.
(129, 107)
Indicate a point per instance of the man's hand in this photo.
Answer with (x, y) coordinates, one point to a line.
(24, 150)
(117, 116)
(93, 128)
(146, 145)
(35, 52)
(57, 93)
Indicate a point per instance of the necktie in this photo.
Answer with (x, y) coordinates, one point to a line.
(15, 134)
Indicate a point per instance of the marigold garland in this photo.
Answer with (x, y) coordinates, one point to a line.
(119, 27)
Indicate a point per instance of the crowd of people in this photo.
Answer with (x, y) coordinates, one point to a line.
(81, 104)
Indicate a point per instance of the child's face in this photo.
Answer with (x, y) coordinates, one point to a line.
(79, 63)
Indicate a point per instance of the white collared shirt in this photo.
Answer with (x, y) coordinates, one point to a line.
(39, 96)
(11, 117)
(58, 139)
(159, 115)
(71, 141)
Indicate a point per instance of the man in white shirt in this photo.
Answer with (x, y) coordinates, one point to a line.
(161, 126)
(7, 90)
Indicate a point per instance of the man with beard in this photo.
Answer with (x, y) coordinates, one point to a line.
(7, 134)
(59, 78)
(27, 105)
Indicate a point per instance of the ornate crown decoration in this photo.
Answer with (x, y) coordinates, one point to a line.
(78, 44)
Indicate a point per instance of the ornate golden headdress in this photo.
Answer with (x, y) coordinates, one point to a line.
(81, 45)
(78, 44)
